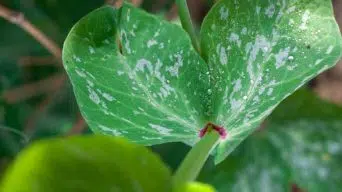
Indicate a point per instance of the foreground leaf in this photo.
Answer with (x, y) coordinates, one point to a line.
(155, 91)
(197, 187)
(259, 52)
(304, 150)
(96, 163)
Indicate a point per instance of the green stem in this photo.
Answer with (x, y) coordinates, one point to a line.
(195, 159)
(185, 18)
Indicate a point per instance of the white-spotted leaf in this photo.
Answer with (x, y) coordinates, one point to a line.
(259, 52)
(153, 91)
(137, 76)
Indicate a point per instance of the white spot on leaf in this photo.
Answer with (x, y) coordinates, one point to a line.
(224, 13)
(142, 64)
(80, 73)
(270, 11)
(281, 57)
(109, 130)
(258, 10)
(93, 96)
(330, 49)
(108, 96)
(151, 42)
(235, 38)
(162, 130)
(175, 68)
(223, 55)
(305, 19)
(91, 50)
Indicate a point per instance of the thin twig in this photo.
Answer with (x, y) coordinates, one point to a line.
(78, 127)
(28, 61)
(40, 109)
(19, 19)
(24, 138)
(33, 89)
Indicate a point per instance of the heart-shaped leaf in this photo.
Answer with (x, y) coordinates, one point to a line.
(153, 91)
(96, 163)
(259, 52)
(154, 88)
(304, 151)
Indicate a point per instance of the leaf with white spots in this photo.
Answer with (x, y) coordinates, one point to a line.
(259, 52)
(87, 164)
(138, 75)
(152, 90)
(300, 144)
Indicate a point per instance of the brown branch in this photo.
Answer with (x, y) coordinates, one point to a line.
(173, 13)
(30, 90)
(28, 61)
(19, 19)
(41, 108)
(78, 127)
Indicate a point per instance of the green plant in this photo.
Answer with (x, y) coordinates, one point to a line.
(142, 78)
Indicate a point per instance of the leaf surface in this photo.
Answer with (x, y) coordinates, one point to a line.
(259, 52)
(96, 163)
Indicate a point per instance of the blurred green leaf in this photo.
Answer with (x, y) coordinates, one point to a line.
(197, 187)
(305, 150)
(305, 104)
(96, 163)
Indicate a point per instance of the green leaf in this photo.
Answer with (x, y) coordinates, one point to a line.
(96, 163)
(154, 88)
(259, 53)
(305, 151)
(155, 91)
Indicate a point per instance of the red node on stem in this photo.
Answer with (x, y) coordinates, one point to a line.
(221, 130)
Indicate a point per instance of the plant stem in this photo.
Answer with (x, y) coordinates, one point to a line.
(195, 159)
(185, 18)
